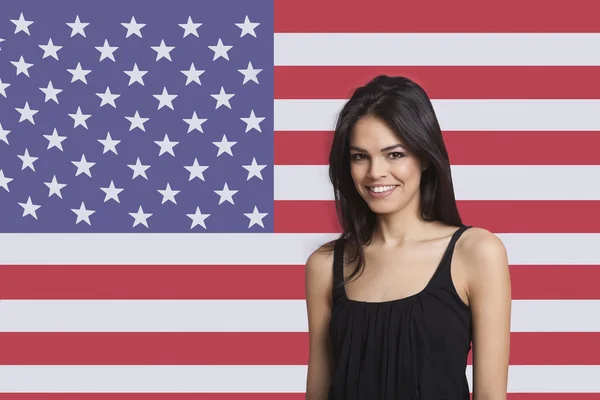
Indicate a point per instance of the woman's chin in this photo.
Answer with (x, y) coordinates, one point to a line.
(379, 208)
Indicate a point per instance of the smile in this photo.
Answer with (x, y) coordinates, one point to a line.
(381, 191)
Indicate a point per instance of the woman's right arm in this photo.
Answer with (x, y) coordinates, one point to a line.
(319, 284)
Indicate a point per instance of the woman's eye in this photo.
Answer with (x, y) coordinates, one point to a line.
(357, 156)
(397, 154)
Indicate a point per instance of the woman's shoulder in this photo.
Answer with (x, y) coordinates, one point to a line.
(477, 242)
(321, 258)
(481, 251)
(319, 271)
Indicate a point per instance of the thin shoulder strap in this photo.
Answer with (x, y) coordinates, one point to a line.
(454, 239)
(447, 257)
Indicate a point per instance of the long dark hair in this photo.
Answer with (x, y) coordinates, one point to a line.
(405, 107)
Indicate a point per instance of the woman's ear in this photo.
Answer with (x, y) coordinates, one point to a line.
(424, 165)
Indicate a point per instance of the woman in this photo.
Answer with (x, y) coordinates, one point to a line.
(396, 302)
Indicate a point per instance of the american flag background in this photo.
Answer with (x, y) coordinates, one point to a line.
(163, 179)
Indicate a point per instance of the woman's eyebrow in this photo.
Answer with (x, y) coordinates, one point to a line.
(388, 148)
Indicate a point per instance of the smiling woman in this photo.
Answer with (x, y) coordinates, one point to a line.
(367, 166)
(396, 302)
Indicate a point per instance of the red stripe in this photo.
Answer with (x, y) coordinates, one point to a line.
(245, 396)
(244, 282)
(302, 147)
(435, 16)
(464, 147)
(149, 348)
(225, 348)
(498, 216)
(560, 282)
(151, 282)
(169, 396)
(444, 82)
(553, 396)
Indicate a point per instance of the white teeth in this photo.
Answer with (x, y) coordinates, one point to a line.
(381, 189)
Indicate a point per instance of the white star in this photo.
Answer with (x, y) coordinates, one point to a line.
(3, 134)
(4, 181)
(137, 122)
(26, 113)
(106, 51)
(163, 51)
(252, 122)
(247, 27)
(112, 192)
(140, 217)
(256, 217)
(133, 27)
(226, 194)
(83, 166)
(27, 160)
(109, 144)
(29, 208)
(77, 27)
(222, 98)
(139, 169)
(254, 169)
(83, 214)
(190, 27)
(21, 25)
(220, 50)
(135, 75)
(166, 146)
(224, 146)
(193, 75)
(50, 49)
(79, 73)
(195, 123)
(3, 87)
(165, 99)
(250, 74)
(51, 92)
(196, 170)
(55, 140)
(198, 218)
(79, 118)
(108, 98)
(22, 66)
(168, 194)
(55, 187)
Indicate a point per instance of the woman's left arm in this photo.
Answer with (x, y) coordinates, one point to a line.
(489, 293)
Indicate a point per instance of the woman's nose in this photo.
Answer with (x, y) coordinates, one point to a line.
(377, 168)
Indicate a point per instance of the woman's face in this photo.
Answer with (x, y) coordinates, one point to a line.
(386, 175)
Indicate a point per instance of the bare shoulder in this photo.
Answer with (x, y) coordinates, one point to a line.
(481, 253)
(319, 267)
(323, 253)
(321, 258)
(479, 244)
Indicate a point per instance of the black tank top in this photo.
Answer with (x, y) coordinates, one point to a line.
(405, 349)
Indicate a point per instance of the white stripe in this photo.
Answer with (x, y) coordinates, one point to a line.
(248, 378)
(437, 49)
(457, 115)
(242, 316)
(255, 249)
(552, 379)
(152, 378)
(552, 249)
(471, 182)
(160, 248)
(153, 316)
